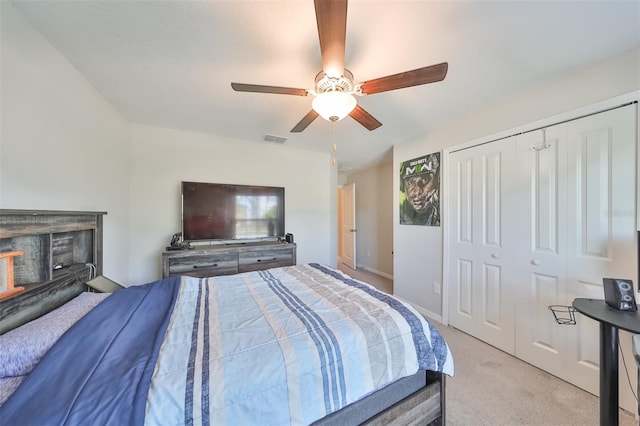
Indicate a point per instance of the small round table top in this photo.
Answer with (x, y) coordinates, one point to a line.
(598, 310)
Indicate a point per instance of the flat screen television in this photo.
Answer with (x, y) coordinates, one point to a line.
(218, 211)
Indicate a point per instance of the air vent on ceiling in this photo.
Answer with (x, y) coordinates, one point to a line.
(274, 139)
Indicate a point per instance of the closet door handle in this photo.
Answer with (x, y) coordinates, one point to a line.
(535, 262)
(495, 255)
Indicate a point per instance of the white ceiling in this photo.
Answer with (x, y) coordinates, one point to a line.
(170, 63)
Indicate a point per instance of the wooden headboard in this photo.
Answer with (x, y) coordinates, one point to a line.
(62, 250)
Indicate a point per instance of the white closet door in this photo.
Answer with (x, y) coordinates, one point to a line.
(539, 227)
(541, 209)
(601, 190)
(481, 286)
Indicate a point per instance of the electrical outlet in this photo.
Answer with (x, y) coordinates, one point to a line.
(436, 288)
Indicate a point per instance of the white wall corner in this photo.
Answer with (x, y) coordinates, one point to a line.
(423, 311)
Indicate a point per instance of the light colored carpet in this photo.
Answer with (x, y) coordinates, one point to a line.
(378, 281)
(493, 388)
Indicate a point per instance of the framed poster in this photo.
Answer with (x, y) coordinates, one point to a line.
(420, 191)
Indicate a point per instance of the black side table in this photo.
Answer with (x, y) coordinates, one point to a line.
(636, 353)
(611, 320)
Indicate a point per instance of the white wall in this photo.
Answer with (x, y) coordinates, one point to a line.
(374, 218)
(62, 145)
(418, 250)
(162, 158)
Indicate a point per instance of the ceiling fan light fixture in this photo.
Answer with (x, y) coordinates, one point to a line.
(334, 105)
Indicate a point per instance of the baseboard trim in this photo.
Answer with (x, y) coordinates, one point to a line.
(424, 312)
(375, 271)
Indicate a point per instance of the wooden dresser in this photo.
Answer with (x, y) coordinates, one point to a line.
(226, 259)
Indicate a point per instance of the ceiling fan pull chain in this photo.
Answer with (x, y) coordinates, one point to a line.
(335, 147)
(333, 135)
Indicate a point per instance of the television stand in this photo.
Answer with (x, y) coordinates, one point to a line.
(226, 259)
(252, 243)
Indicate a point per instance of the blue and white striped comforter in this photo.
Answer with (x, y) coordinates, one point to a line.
(277, 347)
(284, 346)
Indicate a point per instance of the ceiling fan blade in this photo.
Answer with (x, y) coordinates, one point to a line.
(257, 88)
(331, 17)
(363, 117)
(416, 77)
(306, 120)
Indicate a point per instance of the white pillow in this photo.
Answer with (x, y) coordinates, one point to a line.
(22, 348)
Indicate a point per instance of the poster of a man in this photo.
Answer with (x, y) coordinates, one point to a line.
(420, 191)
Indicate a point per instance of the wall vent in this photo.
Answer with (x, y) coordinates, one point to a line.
(274, 139)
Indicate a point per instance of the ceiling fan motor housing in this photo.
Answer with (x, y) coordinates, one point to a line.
(344, 83)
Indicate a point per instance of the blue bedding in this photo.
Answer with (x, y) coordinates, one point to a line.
(277, 347)
(99, 371)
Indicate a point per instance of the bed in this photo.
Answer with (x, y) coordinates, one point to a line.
(304, 344)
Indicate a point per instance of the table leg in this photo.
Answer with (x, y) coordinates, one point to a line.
(608, 375)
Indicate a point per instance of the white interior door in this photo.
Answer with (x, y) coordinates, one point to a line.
(481, 286)
(576, 204)
(541, 209)
(349, 225)
(602, 187)
(542, 225)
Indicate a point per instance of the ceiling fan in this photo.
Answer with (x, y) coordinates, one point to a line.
(334, 85)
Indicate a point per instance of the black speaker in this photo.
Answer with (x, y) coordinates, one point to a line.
(289, 238)
(619, 294)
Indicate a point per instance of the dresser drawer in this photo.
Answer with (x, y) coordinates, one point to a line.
(264, 259)
(226, 259)
(204, 266)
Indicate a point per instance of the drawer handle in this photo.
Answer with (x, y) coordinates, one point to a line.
(268, 260)
(213, 265)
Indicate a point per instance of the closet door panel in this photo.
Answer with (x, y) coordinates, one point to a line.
(545, 184)
(583, 342)
(481, 296)
(496, 307)
(602, 185)
(545, 337)
(593, 165)
(541, 248)
(492, 301)
(462, 285)
(464, 288)
(602, 220)
(464, 205)
(492, 200)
